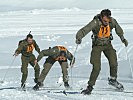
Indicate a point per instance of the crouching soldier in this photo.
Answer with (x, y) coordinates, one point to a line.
(102, 26)
(26, 48)
(57, 53)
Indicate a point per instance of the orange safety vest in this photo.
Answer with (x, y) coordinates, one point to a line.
(104, 32)
(30, 48)
(60, 57)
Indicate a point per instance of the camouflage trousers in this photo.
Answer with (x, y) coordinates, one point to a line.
(95, 60)
(47, 66)
(24, 68)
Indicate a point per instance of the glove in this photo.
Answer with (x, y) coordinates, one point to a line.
(15, 54)
(125, 42)
(35, 62)
(78, 41)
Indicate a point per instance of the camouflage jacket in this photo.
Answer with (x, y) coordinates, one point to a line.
(54, 53)
(27, 49)
(95, 25)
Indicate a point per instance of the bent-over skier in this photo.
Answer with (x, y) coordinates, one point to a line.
(57, 53)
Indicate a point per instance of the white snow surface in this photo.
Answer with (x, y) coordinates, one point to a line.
(59, 27)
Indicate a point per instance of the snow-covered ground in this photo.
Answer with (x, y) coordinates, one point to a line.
(58, 27)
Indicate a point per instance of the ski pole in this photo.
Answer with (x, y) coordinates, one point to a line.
(2, 81)
(130, 65)
(71, 66)
(74, 56)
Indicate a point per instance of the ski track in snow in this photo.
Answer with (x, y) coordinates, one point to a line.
(58, 27)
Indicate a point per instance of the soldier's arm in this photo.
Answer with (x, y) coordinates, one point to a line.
(41, 55)
(120, 33)
(70, 57)
(118, 29)
(37, 47)
(19, 49)
(86, 29)
(47, 52)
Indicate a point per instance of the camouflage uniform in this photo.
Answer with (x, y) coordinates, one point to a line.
(28, 58)
(101, 45)
(53, 55)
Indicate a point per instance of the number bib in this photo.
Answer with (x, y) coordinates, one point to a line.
(104, 32)
(30, 48)
(61, 58)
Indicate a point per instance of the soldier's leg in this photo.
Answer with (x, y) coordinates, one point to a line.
(36, 67)
(47, 66)
(110, 53)
(112, 58)
(64, 67)
(24, 69)
(96, 62)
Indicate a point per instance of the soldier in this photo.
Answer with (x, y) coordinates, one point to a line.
(26, 48)
(57, 53)
(101, 26)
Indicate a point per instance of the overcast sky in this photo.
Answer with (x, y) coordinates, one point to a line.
(6, 5)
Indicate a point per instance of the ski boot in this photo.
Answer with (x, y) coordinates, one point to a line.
(67, 86)
(36, 80)
(37, 86)
(87, 91)
(113, 82)
(23, 86)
